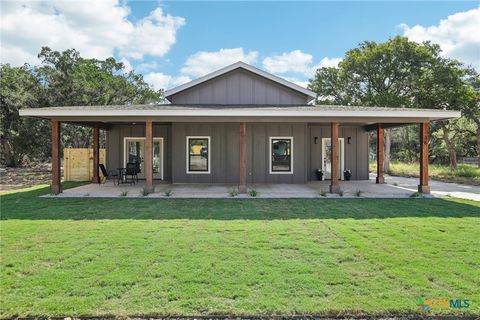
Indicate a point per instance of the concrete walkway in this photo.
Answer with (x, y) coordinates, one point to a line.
(396, 187)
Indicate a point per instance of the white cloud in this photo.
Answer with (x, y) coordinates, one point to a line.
(164, 81)
(204, 62)
(126, 64)
(294, 61)
(458, 35)
(299, 82)
(97, 29)
(328, 63)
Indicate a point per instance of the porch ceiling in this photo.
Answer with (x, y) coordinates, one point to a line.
(242, 113)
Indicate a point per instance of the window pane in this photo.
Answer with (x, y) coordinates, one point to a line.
(281, 154)
(198, 154)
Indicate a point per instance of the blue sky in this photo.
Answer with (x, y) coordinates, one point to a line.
(171, 42)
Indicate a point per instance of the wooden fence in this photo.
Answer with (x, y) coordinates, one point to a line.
(78, 163)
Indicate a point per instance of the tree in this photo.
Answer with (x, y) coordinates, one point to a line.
(376, 74)
(19, 88)
(62, 79)
(471, 109)
(445, 85)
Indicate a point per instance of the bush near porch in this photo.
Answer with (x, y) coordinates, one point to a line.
(151, 257)
(465, 173)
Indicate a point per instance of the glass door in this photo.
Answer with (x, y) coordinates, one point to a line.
(135, 153)
(327, 158)
(158, 158)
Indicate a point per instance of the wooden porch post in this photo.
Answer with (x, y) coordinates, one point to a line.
(242, 188)
(96, 153)
(149, 155)
(380, 159)
(56, 186)
(423, 187)
(334, 185)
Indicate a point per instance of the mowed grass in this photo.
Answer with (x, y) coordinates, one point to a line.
(152, 257)
(465, 173)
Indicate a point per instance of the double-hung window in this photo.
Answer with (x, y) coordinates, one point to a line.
(281, 155)
(198, 154)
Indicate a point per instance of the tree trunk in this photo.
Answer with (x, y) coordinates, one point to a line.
(7, 153)
(452, 153)
(386, 151)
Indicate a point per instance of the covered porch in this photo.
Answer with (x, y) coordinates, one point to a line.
(369, 119)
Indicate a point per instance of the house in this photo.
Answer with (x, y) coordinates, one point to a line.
(243, 126)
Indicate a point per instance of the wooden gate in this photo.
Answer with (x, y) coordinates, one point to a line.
(78, 163)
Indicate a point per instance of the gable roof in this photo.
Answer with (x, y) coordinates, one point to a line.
(312, 95)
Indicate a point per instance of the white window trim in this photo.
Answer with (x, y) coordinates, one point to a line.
(144, 138)
(187, 153)
(270, 156)
(342, 155)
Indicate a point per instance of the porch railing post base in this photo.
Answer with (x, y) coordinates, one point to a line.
(334, 188)
(380, 180)
(423, 189)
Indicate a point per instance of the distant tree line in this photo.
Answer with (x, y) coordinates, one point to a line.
(395, 74)
(404, 74)
(61, 79)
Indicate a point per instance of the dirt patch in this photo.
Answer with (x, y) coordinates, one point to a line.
(19, 178)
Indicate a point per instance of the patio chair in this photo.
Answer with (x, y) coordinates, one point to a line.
(132, 171)
(107, 175)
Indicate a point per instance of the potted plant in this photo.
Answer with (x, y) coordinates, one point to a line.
(347, 174)
(319, 173)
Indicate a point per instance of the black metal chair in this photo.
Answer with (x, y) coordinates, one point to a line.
(132, 171)
(108, 175)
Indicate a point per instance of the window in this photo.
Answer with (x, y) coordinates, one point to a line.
(281, 157)
(198, 153)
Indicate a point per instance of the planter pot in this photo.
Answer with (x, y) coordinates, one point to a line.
(319, 175)
(347, 176)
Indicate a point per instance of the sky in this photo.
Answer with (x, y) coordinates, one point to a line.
(173, 42)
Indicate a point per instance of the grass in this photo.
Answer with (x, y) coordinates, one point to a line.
(465, 173)
(152, 257)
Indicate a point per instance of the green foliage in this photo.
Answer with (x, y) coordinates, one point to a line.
(233, 192)
(252, 192)
(61, 79)
(403, 73)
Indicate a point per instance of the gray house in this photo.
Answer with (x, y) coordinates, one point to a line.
(243, 126)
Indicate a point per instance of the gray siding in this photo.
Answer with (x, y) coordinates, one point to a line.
(115, 144)
(356, 153)
(239, 87)
(224, 157)
(258, 148)
(225, 150)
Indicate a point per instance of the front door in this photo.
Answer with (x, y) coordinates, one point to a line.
(327, 157)
(135, 153)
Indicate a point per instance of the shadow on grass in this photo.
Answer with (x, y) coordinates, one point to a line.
(29, 206)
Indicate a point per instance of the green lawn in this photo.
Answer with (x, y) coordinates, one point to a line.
(465, 173)
(150, 257)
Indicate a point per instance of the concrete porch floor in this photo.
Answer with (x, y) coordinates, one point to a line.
(396, 187)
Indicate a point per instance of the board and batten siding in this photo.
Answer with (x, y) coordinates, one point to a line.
(356, 153)
(115, 144)
(224, 152)
(239, 87)
(258, 152)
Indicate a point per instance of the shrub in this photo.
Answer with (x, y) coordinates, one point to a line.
(358, 193)
(323, 193)
(252, 192)
(168, 193)
(124, 193)
(232, 192)
(145, 192)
